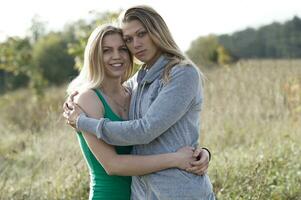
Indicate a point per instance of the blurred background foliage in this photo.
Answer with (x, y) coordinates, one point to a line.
(52, 58)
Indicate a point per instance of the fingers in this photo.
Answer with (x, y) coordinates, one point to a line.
(69, 119)
(71, 106)
(66, 115)
(68, 106)
(65, 106)
(200, 153)
(197, 170)
(71, 97)
(70, 100)
(200, 163)
(70, 109)
(203, 166)
(197, 152)
(200, 166)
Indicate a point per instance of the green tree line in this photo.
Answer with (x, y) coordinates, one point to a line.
(271, 41)
(275, 40)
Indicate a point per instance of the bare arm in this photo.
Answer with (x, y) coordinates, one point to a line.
(127, 165)
(131, 165)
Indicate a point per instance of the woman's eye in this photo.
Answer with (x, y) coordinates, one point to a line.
(142, 33)
(124, 49)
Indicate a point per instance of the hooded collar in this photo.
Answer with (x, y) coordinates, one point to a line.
(154, 71)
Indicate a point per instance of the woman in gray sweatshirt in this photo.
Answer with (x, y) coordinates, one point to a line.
(165, 108)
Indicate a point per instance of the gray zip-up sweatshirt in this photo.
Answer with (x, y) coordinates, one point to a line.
(164, 118)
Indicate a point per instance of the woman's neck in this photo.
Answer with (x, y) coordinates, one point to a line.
(111, 86)
(152, 61)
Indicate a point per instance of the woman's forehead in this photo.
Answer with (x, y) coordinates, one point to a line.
(131, 27)
(112, 39)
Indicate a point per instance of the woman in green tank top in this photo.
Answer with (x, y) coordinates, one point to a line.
(107, 64)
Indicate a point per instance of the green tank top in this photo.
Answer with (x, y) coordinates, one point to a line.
(103, 186)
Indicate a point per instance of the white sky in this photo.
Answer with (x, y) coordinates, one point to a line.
(187, 19)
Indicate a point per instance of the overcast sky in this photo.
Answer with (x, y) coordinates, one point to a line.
(187, 19)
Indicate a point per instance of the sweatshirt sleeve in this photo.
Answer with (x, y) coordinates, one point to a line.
(172, 102)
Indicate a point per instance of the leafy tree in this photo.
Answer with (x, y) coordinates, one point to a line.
(17, 68)
(15, 55)
(224, 56)
(203, 50)
(15, 62)
(50, 56)
(81, 31)
(207, 51)
(37, 29)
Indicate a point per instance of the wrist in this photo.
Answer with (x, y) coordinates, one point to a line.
(77, 121)
(174, 160)
(209, 153)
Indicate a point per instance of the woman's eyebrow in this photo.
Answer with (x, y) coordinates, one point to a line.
(140, 29)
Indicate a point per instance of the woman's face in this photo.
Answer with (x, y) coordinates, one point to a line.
(139, 42)
(116, 56)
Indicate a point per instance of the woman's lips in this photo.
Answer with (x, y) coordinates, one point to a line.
(140, 53)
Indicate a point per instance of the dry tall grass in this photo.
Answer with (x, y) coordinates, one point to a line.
(250, 121)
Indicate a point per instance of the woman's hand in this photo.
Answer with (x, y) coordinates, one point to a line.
(69, 101)
(68, 108)
(184, 156)
(200, 165)
(72, 114)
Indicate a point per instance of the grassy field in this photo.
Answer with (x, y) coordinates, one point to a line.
(251, 122)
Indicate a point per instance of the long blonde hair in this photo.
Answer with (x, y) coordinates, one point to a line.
(159, 33)
(92, 72)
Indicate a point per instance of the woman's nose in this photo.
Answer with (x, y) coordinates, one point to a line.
(136, 42)
(116, 54)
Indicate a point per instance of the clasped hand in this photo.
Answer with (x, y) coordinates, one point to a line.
(71, 112)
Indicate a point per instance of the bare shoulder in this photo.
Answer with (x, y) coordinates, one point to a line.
(90, 103)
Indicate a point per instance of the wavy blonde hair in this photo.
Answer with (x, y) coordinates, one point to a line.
(92, 73)
(159, 33)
